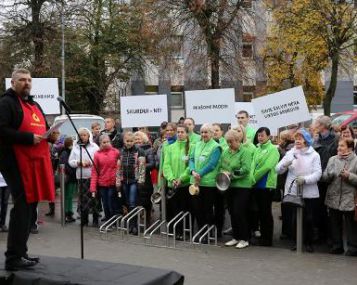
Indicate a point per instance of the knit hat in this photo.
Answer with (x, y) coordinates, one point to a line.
(306, 135)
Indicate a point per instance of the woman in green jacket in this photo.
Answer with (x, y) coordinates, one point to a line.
(204, 164)
(176, 173)
(265, 159)
(236, 160)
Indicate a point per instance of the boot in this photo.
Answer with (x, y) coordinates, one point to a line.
(69, 218)
(51, 211)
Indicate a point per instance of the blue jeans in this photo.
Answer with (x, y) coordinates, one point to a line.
(131, 193)
(110, 201)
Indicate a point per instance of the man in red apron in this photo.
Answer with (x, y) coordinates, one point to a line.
(25, 164)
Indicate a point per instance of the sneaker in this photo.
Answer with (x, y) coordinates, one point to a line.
(257, 234)
(34, 230)
(231, 242)
(242, 244)
(4, 229)
(336, 250)
(350, 253)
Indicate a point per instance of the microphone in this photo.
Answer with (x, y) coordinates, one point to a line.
(64, 104)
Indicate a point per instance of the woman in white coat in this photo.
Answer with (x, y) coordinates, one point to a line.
(304, 168)
(86, 164)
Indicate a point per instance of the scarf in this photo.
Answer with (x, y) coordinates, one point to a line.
(171, 140)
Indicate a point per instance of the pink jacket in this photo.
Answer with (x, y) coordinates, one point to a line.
(105, 161)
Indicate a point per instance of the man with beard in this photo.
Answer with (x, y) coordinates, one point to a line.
(25, 164)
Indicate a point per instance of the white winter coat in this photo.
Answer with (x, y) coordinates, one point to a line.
(75, 156)
(305, 163)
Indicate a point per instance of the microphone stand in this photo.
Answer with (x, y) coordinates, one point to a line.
(81, 146)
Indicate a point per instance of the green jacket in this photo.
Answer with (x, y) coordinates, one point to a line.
(265, 159)
(201, 155)
(240, 160)
(223, 143)
(250, 133)
(193, 138)
(176, 164)
(160, 177)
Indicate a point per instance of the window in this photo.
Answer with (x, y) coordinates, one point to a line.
(151, 89)
(247, 50)
(177, 96)
(247, 96)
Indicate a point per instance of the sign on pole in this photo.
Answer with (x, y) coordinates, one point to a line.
(210, 106)
(143, 111)
(245, 106)
(45, 92)
(281, 109)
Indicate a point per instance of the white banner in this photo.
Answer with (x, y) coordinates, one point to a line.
(210, 106)
(281, 109)
(143, 111)
(45, 92)
(245, 106)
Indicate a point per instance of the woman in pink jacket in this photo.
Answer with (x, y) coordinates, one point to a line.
(104, 176)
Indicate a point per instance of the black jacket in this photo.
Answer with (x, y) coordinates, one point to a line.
(326, 148)
(116, 138)
(127, 158)
(11, 116)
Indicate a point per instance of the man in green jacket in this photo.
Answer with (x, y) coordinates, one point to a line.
(243, 119)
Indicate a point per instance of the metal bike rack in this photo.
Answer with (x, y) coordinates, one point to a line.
(182, 218)
(207, 234)
(150, 231)
(125, 221)
(106, 227)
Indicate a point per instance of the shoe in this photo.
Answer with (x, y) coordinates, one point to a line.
(179, 237)
(104, 219)
(242, 244)
(33, 258)
(134, 231)
(351, 253)
(4, 229)
(34, 230)
(337, 250)
(231, 242)
(293, 248)
(284, 237)
(309, 248)
(257, 234)
(70, 219)
(19, 263)
(50, 214)
(228, 232)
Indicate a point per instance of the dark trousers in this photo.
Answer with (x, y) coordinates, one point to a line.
(20, 217)
(263, 198)
(286, 220)
(322, 220)
(219, 211)
(4, 200)
(179, 202)
(110, 201)
(238, 203)
(203, 206)
(87, 204)
(336, 219)
(309, 219)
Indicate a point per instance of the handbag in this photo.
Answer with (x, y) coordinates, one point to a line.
(294, 200)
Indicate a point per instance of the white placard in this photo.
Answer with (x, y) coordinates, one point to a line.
(245, 106)
(45, 92)
(281, 109)
(143, 111)
(210, 106)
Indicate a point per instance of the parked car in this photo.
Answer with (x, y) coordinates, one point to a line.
(345, 118)
(80, 121)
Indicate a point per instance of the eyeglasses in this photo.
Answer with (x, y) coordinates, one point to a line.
(240, 117)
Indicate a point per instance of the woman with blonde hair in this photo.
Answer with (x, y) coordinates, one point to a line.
(204, 165)
(236, 160)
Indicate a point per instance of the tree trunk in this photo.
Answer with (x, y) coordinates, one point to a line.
(330, 93)
(37, 35)
(214, 53)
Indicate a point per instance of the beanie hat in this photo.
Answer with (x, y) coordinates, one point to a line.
(306, 135)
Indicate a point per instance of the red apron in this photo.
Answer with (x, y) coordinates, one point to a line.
(34, 161)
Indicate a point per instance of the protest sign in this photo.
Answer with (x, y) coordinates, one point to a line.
(143, 111)
(281, 109)
(210, 106)
(45, 92)
(245, 106)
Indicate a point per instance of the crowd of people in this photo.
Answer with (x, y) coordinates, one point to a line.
(120, 170)
(126, 168)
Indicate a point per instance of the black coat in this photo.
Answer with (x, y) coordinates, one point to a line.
(326, 148)
(11, 116)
